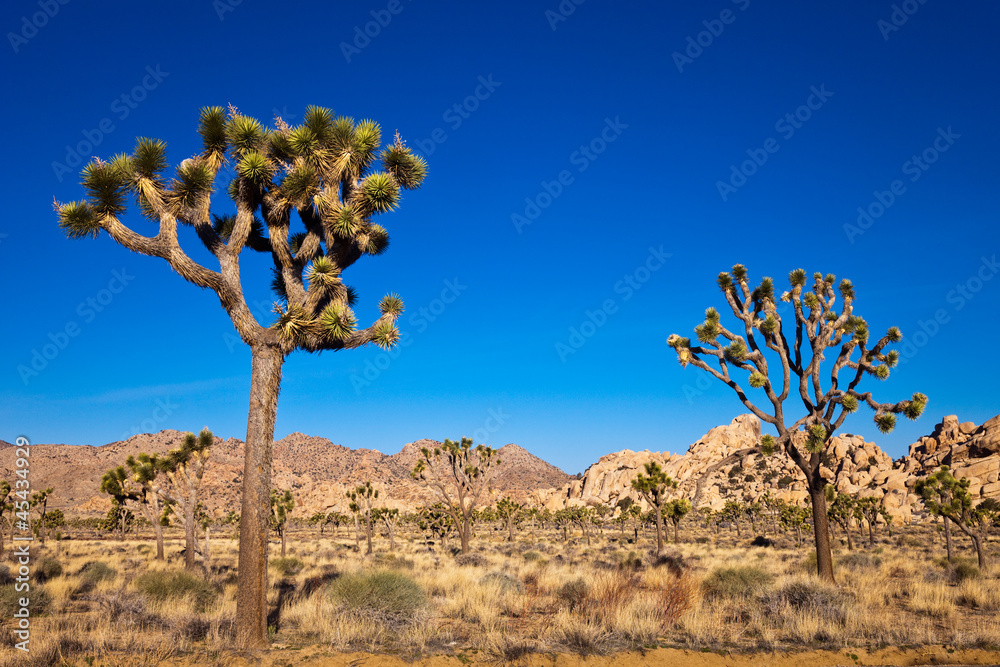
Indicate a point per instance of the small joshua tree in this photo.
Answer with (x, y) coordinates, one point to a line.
(390, 519)
(844, 510)
(509, 511)
(654, 486)
(871, 508)
(145, 470)
(331, 173)
(950, 499)
(458, 474)
(282, 504)
(184, 467)
(39, 500)
(676, 510)
(363, 497)
(117, 483)
(816, 326)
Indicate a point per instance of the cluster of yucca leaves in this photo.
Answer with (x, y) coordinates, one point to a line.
(329, 170)
(817, 326)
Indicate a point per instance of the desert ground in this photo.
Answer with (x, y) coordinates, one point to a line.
(544, 599)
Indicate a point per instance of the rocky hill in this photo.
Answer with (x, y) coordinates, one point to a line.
(317, 470)
(722, 465)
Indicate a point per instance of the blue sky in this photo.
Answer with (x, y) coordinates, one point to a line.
(592, 167)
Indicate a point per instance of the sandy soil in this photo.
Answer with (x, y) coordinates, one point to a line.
(320, 657)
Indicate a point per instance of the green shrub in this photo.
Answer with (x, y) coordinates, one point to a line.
(167, 584)
(10, 600)
(532, 556)
(47, 568)
(287, 567)
(965, 571)
(806, 595)
(386, 595)
(573, 593)
(859, 560)
(471, 560)
(737, 582)
(96, 570)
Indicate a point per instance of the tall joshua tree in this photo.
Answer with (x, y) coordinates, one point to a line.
(458, 474)
(654, 486)
(326, 170)
(816, 326)
(282, 504)
(364, 497)
(949, 498)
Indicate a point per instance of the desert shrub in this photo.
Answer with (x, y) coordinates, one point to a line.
(10, 600)
(385, 595)
(785, 481)
(506, 582)
(5, 576)
(736, 582)
(122, 606)
(192, 627)
(287, 567)
(96, 571)
(806, 595)
(393, 561)
(573, 593)
(672, 560)
(630, 561)
(471, 560)
(46, 569)
(965, 571)
(167, 584)
(761, 541)
(532, 556)
(859, 560)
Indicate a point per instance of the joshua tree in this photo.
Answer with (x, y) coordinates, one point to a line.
(5, 507)
(816, 326)
(363, 497)
(437, 521)
(117, 483)
(732, 512)
(326, 171)
(795, 516)
(950, 499)
(871, 508)
(39, 500)
(843, 509)
(185, 467)
(282, 504)
(144, 471)
(510, 512)
(676, 510)
(390, 519)
(458, 474)
(654, 486)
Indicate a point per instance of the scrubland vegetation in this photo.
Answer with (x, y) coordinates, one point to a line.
(110, 602)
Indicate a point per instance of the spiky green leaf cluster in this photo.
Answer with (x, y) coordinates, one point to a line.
(323, 273)
(244, 134)
(797, 278)
(757, 379)
(391, 304)
(849, 402)
(916, 406)
(105, 186)
(377, 240)
(885, 422)
(736, 351)
(816, 438)
(212, 127)
(79, 220)
(338, 321)
(767, 444)
(385, 335)
(381, 192)
(408, 169)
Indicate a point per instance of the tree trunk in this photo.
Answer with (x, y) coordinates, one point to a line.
(821, 527)
(255, 510)
(283, 541)
(41, 525)
(189, 535)
(677, 539)
(157, 527)
(466, 530)
(798, 536)
(659, 532)
(871, 533)
(510, 529)
(204, 551)
(847, 529)
(947, 537)
(368, 533)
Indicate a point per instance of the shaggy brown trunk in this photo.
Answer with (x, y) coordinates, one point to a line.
(157, 526)
(947, 537)
(466, 531)
(871, 533)
(189, 536)
(510, 529)
(677, 539)
(255, 512)
(821, 527)
(282, 541)
(41, 524)
(368, 533)
(659, 532)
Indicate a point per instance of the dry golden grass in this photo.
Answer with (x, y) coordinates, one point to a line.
(539, 595)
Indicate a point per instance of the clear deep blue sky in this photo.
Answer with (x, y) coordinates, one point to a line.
(641, 139)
